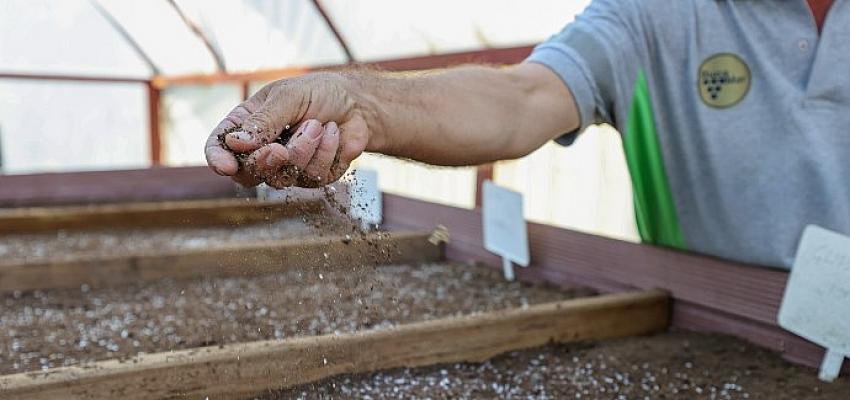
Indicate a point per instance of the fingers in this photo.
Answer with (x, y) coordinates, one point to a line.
(274, 113)
(297, 153)
(301, 146)
(220, 159)
(315, 156)
(282, 166)
(354, 144)
(318, 170)
(270, 164)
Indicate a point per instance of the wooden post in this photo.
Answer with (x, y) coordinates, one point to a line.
(245, 90)
(154, 124)
(483, 173)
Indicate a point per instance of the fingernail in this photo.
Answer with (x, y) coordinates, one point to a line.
(240, 135)
(300, 130)
(313, 129)
(272, 160)
(332, 128)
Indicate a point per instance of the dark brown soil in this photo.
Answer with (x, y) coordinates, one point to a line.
(56, 328)
(676, 365)
(282, 138)
(42, 246)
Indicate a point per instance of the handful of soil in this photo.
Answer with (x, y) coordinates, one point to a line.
(282, 138)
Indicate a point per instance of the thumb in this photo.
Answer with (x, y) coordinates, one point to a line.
(272, 117)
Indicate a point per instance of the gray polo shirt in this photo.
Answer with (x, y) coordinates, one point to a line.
(735, 116)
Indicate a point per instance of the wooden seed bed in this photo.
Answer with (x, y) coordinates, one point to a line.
(708, 294)
(235, 371)
(239, 371)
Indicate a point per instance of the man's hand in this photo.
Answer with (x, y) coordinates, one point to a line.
(330, 131)
(459, 116)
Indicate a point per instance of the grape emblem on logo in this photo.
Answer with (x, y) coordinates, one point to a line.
(724, 80)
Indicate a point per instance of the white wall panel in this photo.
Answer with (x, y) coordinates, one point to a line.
(585, 186)
(63, 37)
(381, 29)
(257, 34)
(451, 186)
(60, 126)
(189, 114)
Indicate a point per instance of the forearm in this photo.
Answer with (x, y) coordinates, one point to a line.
(459, 116)
(466, 115)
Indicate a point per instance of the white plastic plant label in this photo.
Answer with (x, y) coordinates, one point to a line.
(816, 305)
(366, 204)
(505, 231)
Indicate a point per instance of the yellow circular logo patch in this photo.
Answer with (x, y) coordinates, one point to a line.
(724, 80)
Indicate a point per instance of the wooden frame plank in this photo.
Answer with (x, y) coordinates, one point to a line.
(241, 370)
(505, 55)
(709, 294)
(221, 261)
(150, 184)
(72, 78)
(152, 214)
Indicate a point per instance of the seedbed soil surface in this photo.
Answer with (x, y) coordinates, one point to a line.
(35, 247)
(63, 327)
(675, 365)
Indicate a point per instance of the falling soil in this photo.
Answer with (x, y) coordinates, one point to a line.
(45, 329)
(677, 365)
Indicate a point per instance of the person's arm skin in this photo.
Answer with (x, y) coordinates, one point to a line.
(459, 116)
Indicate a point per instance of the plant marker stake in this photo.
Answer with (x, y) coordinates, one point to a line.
(831, 365)
(814, 305)
(505, 231)
(508, 268)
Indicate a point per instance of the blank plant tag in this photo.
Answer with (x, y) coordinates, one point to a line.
(505, 231)
(366, 204)
(816, 305)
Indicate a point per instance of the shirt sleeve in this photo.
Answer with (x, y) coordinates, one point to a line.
(598, 57)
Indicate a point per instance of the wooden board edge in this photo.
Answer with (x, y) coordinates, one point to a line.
(240, 260)
(250, 368)
(153, 214)
(86, 187)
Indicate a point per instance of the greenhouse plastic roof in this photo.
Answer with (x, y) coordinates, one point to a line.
(140, 39)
